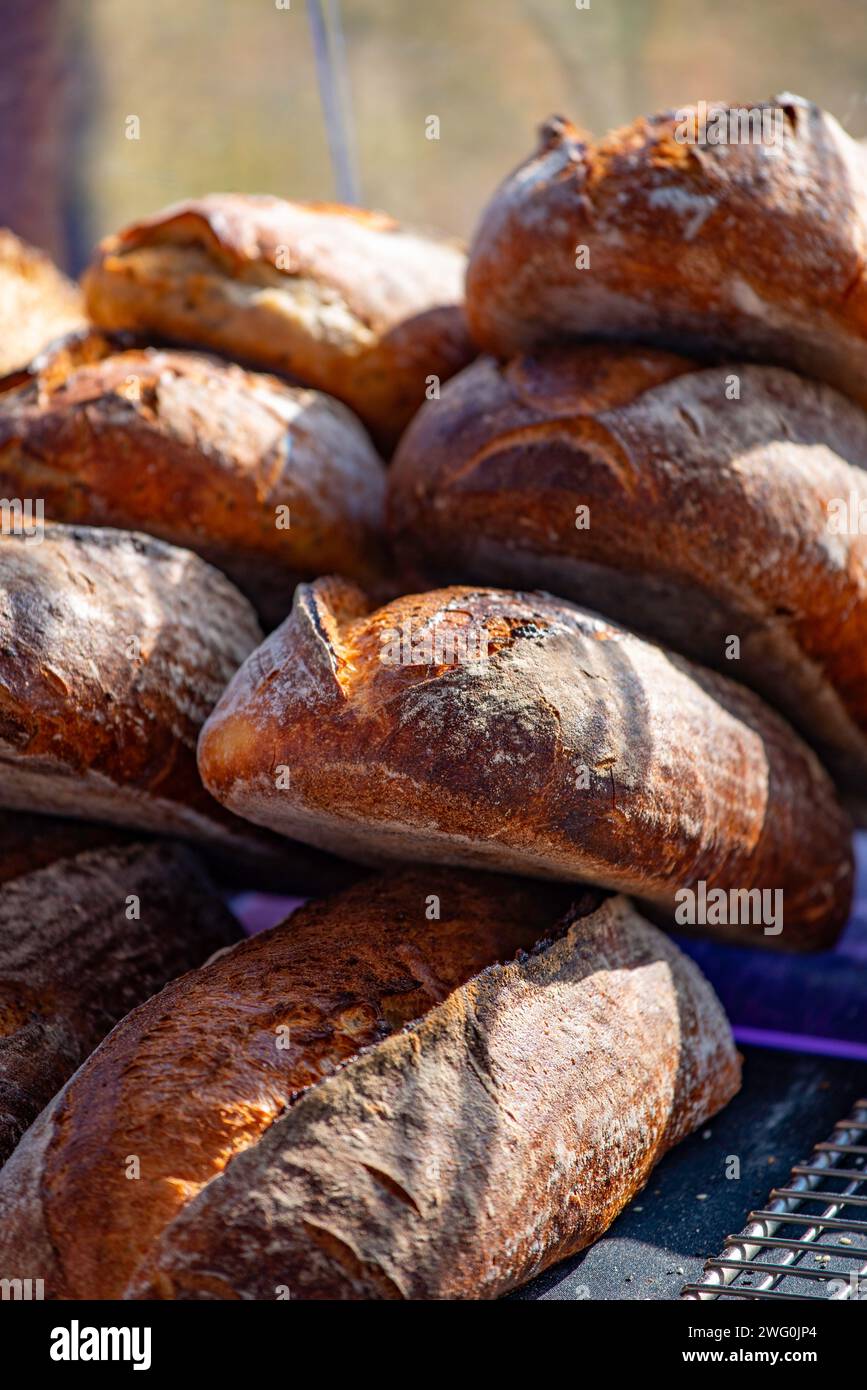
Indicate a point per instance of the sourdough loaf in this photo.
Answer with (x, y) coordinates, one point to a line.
(407, 1138)
(336, 297)
(627, 480)
(113, 649)
(515, 731)
(81, 943)
(751, 245)
(271, 483)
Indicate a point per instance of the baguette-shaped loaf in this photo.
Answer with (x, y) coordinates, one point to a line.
(37, 302)
(625, 480)
(271, 483)
(336, 297)
(113, 649)
(434, 1124)
(664, 233)
(81, 943)
(515, 731)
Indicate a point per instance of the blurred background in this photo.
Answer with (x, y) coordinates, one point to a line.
(225, 94)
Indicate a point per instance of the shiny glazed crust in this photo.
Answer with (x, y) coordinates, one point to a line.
(553, 743)
(338, 298)
(366, 1159)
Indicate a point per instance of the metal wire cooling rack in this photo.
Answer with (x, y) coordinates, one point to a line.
(810, 1240)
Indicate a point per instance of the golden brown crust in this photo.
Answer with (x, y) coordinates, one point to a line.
(193, 1083)
(202, 454)
(37, 302)
(724, 250)
(572, 749)
(197, 1074)
(73, 961)
(500, 1133)
(113, 649)
(707, 517)
(344, 300)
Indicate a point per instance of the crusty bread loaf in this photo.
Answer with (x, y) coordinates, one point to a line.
(37, 302)
(271, 483)
(113, 649)
(81, 943)
(501, 1129)
(706, 517)
(739, 248)
(515, 731)
(336, 297)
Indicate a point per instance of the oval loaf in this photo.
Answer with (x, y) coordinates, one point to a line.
(73, 960)
(515, 731)
(336, 297)
(458, 1102)
(748, 246)
(114, 647)
(269, 482)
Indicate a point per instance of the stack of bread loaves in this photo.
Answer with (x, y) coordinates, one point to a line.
(446, 1076)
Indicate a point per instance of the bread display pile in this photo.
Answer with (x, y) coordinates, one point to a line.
(588, 633)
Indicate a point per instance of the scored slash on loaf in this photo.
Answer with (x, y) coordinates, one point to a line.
(440, 1081)
(572, 749)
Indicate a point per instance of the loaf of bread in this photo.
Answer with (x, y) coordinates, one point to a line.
(271, 483)
(81, 943)
(630, 482)
(515, 731)
(335, 297)
(431, 1086)
(113, 649)
(720, 233)
(37, 302)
